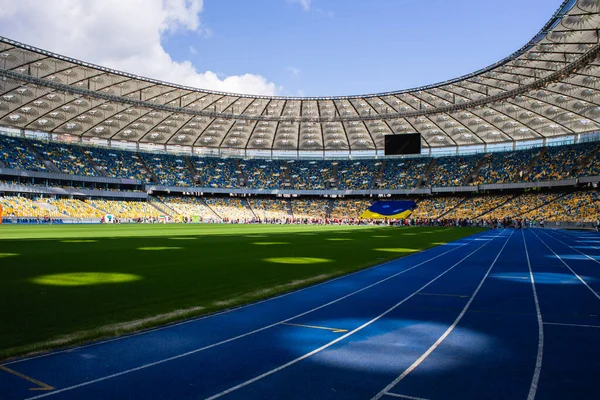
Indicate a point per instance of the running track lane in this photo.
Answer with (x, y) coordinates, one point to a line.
(464, 316)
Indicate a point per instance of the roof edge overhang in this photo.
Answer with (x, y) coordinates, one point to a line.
(557, 16)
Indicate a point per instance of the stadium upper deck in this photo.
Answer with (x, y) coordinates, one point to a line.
(547, 89)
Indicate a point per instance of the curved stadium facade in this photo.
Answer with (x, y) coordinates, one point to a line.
(77, 130)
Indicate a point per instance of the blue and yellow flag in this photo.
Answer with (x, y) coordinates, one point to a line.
(389, 210)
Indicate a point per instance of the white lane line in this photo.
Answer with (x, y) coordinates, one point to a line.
(239, 336)
(573, 325)
(580, 252)
(310, 354)
(403, 396)
(540, 354)
(189, 321)
(510, 277)
(446, 333)
(442, 295)
(567, 265)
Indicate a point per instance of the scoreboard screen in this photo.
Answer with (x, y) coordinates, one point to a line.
(406, 143)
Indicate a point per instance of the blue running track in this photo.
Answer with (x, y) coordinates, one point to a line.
(499, 315)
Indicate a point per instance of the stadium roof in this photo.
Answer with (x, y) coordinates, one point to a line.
(549, 88)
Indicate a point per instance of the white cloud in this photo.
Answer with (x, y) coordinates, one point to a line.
(293, 70)
(123, 35)
(304, 3)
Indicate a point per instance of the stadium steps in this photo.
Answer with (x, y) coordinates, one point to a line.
(162, 206)
(157, 207)
(332, 180)
(585, 161)
(498, 206)
(287, 178)
(97, 208)
(290, 210)
(475, 174)
(210, 208)
(242, 178)
(446, 212)
(96, 167)
(534, 160)
(148, 171)
(542, 205)
(251, 209)
(378, 178)
(425, 179)
(246, 204)
(49, 164)
(329, 208)
(194, 176)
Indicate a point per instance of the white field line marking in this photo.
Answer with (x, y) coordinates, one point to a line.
(236, 337)
(307, 355)
(446, 333)
(403, 396)
(573, 325)
(188, 321)
(540, 355)
(567, 265)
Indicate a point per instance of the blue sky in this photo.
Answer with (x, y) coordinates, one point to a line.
(339, 47)
(282, 47)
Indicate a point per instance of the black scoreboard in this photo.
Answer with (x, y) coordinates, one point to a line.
(403, 144)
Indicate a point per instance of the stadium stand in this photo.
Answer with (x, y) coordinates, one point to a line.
(358, 175)
(575, 206)
(17, 154)
(477, 206)
(119, 163)
(436, 207)
(267, 209)
(215, 172)
(591, 166)
(530, 165)
(20, 206)
(72, 208)
(125, 209)
(403, 174)
(538, 164)
(505, 167)
(68, 159)
(310, 174)
(558, 162)
(453, 171)
(190, 206)
(170, 170)
(310, 208)
(348, 208)
(264, 174)
(523, 204)
(230, 208)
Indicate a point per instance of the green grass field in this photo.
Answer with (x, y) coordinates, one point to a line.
(61, 285)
